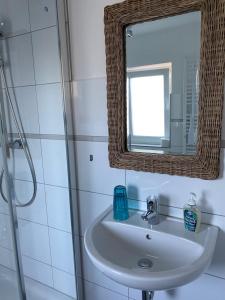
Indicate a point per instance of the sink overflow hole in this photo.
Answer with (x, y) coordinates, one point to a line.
(145, 263)
(148, 237)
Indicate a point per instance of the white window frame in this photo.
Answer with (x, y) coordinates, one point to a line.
(164, 69)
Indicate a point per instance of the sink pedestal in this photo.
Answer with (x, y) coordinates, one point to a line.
(147, 295)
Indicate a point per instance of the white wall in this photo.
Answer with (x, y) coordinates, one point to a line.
(96, 180)
(33, 68)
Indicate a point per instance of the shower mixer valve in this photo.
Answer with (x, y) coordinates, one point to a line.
(17, 144)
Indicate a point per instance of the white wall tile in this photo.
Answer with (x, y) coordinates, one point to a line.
(3, 205)
(96, 176)
(58, 207)
(8, 284)
(88, 59)
(135, 294)
(96, 292)
(217, 266)
(5, 232)
(50, 108)
(37, 271)
(62, 250)
(42, 13)
(19, 60)
(36, 212)
(15, 15)
(206, 287)
(18, 164)
(90, 107)
(39, 291)
(64, 283)
(91, 205)
(92, 274)
(46, 56)
(55, 162)
(174, 190)
(24, 98)
(34, 241)
(7, 258)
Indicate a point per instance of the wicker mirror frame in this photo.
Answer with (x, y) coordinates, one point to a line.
(205, 163)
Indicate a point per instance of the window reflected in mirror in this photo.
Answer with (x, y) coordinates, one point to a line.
(162, 69)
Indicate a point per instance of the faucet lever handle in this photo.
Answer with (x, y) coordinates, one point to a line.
(152, 203)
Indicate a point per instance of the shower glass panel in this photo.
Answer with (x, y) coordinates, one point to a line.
(36, 233)
(11, 281)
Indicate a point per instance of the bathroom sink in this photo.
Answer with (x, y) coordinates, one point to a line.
(149, 257)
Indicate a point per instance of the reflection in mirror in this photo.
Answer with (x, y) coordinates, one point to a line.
(162, 65)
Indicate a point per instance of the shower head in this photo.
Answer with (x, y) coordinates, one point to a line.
(130, 33)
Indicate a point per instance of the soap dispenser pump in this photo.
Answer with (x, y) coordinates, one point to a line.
(192, 214)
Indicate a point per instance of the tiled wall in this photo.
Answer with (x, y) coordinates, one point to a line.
(33, 69)
(96, 179)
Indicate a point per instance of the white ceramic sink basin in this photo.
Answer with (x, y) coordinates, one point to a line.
(174, 256)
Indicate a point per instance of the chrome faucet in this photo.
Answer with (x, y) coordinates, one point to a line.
(152, 213)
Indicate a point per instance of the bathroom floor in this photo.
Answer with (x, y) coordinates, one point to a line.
(35, 290)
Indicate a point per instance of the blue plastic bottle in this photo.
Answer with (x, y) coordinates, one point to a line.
(120, 203)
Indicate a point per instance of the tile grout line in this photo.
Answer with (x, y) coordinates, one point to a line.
(37, 223)
(31, 85)
(74, 137)
(42, 158)
(111, 195)
(39, 261)
(40, 283)
(28, 32)
(89, 79)
(180, 208)
(94, 283)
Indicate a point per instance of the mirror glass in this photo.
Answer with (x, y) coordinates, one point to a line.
(162, 71)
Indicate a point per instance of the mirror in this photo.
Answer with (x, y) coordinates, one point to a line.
(165, 68)
(162, 72)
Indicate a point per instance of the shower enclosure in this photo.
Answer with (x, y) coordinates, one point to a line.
(37, 195)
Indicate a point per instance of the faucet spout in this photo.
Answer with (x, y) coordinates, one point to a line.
(146, 215)
(152, 213)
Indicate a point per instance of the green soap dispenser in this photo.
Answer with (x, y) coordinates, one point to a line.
(192, 215)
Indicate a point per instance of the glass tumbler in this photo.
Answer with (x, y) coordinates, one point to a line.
(120, 203)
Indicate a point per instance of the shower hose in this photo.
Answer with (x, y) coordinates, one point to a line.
(23, 142)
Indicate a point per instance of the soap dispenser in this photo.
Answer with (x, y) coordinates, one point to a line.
(192, 214)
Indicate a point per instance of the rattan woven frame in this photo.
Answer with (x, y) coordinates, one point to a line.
(205, 164)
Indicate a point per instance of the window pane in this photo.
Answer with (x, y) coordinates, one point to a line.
(147, 102)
